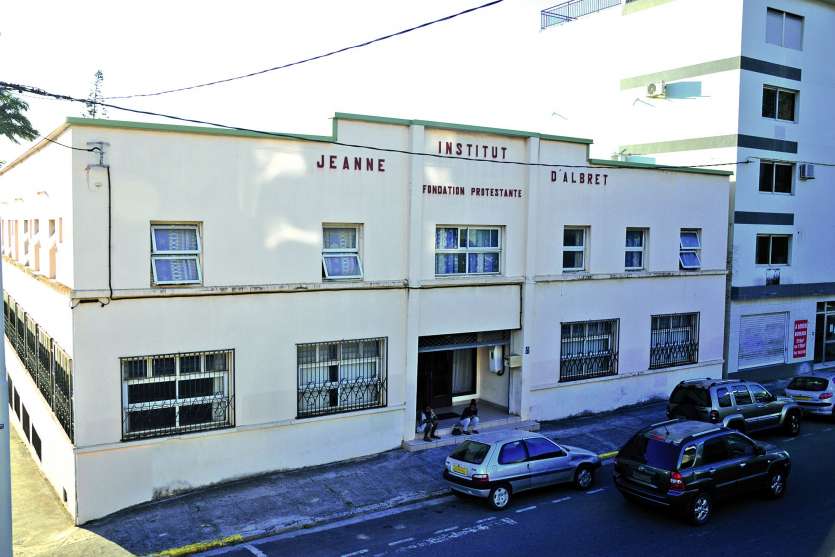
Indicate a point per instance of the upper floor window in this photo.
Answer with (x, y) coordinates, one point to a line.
(776, 177)
(574, 241)
(467, 250)
(690, 249)
(635, 243)
(780, 104)
(784, 29)
(340, 252)
(175, 254)
(773, 249)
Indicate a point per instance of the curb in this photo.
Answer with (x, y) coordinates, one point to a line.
(236, 539)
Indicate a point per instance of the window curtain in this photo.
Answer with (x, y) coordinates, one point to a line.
(175, 239)
(340, 238)
(463, 371)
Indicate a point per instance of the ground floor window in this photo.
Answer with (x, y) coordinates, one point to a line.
(825, 332)
(674, 340)
(588, 349)
(177, 393)
(341, 376)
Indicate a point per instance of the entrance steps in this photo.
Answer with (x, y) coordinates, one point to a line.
(448, 439)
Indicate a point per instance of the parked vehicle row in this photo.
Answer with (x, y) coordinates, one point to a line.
(700, 456)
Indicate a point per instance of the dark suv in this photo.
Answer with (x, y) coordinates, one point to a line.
(740, 405)
(686, 465)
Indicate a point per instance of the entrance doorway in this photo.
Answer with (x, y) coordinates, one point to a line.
(825, 333)
(444, 374)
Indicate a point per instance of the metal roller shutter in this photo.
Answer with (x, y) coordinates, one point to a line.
(762, 340)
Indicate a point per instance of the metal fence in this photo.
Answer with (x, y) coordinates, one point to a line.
(341, 376)
(674, 340)
(49, 366)
(571, 10)
(588, 349)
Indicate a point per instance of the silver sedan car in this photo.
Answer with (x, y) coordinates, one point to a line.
(814, 392)
(497, 465)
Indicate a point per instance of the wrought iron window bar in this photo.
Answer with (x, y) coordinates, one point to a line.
(672, 346)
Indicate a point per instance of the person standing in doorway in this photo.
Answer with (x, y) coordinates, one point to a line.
(429, 423)
(469, 418)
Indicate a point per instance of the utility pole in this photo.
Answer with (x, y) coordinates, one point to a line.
(5, 460)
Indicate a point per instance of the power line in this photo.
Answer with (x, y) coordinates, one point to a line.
(59, 96)
(312, 58)
(91, 150)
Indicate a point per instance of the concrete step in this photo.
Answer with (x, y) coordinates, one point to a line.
(447, 439)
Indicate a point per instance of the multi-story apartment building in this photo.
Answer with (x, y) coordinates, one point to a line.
(190, 305)
(697, 82)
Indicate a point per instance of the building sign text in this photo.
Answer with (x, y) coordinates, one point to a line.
(367, 164)
(801, 329)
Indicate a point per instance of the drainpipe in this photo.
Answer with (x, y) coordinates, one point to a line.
(100, 146)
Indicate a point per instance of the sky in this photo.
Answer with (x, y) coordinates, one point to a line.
(479, 68)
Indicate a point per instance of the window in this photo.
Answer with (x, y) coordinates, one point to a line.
(512, 453)
(784, 29)
(24, 421)
(690, 395)
(741, 395)
(690, 249)
(51, 228)
(779, 104)
(773, 249)
(588, 349)
(175, 254)
(470, 250)
(36, 442)
(714, 450)
(761, 396)
(739, 447)
(674, 340)
(176, 393)
(723, 395)
(688, 458)
(340, 252)
(776, 177)
(540, 449)
(471, 451)
(635, 243)
(574, 249)
(341, 376)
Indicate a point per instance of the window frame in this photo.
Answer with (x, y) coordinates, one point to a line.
(783, 14)
(586, 358)
(697, 251)
(633, 249)
(774, 165)
(576, 249)
(342, 252)
(771, 237)
(467, 250)
(196, 255)
(778, 93)
(689, 350)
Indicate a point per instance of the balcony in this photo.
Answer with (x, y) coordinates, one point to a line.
(573, 9)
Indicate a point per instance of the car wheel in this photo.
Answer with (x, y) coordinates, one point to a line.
(792, 424)
(499, 497)
(583, 478)
(700, 509)
(777, 482)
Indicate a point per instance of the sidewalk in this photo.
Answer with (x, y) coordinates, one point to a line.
(275, 502)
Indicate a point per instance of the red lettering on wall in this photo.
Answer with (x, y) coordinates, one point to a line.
(553, 175)
(380, 163)
(369, 163)
(332, 160)
(449, 147)
(321, 162)
(345, 165)
(357, 163)
(459, 149)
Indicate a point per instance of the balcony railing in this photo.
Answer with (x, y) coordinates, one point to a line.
(571, 10)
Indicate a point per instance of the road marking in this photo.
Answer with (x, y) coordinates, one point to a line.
(561, 500)
(255, 551)
(593, 491)
(526, 509)
(488, 519)
(445, 530)
(790, 439)
(398, 542)
(828, 429)
(360, 552)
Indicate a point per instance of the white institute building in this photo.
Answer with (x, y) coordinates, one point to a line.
(700, 81)
(187, 305)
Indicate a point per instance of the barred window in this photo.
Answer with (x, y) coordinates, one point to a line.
(588, 349)
(341, 376)
(62, 393)
(674, 340)
(175, 254)
(177, 393)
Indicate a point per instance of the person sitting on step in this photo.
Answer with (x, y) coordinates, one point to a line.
(428, 421)
(469, 418)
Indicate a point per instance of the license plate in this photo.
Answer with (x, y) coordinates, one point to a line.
(802, 397)
(458, 469)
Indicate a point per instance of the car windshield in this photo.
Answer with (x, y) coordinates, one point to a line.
(808, 384)
(470, 451)
(690, 394)
(647, 449)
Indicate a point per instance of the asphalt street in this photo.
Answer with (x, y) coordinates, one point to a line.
(562, 521)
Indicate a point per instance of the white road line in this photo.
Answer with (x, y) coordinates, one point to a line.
(255, 551)
(593, 491)
(790, 439)
(488, 519)
(828, 429)
(450, 529)
(360, 552)
(398, 542)
(561, 500)
(526, 509)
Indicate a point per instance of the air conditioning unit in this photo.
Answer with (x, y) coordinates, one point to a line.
(656, 89)
(807, 171)
(772, 277)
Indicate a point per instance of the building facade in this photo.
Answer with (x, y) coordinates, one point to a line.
(746, 83)
(186, 306)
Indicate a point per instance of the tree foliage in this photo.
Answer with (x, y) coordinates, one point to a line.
(13, 122)
(91, 108)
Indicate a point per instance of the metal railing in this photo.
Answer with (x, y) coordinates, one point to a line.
(576, 368)
(571, 10)
(674, 340)
(661, 356)
(46, 362)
